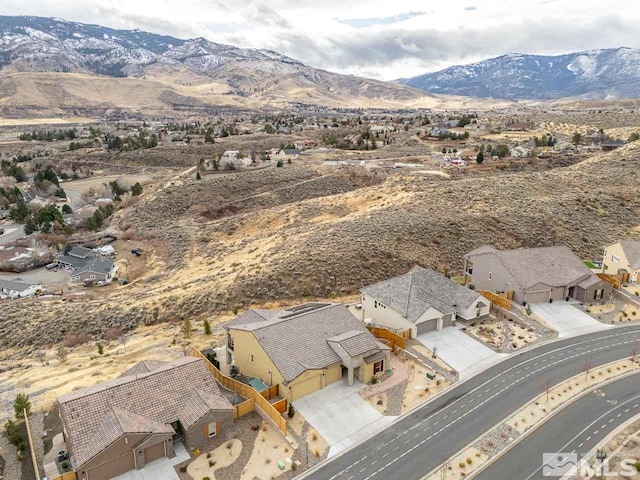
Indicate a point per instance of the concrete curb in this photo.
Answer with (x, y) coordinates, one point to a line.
(454, 385)
(526, 434)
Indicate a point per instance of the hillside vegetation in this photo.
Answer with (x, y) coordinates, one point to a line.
(290, 233)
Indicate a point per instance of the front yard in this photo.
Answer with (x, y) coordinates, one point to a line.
(619, 310)
(252, 449)
(407, 387)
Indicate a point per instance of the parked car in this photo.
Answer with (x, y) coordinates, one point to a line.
(136, 251)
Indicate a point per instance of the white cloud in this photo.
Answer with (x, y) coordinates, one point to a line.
(377, 37)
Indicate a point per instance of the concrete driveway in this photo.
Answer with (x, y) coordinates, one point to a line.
(458, 349)
(339, 415)
(566, 319)
(160, 469)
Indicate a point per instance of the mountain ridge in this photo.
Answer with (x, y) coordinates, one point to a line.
(196, 70)
(592, 74)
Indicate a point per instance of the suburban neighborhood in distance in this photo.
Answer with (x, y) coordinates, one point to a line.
(251, 241)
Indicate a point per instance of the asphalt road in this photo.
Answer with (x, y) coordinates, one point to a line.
(578, 428)
(420, 442)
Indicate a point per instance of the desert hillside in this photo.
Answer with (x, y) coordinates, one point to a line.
(294, 232)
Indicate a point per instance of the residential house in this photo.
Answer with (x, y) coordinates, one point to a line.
(520, 152)
(232, 159)
(287, 154)
(535, 275)
(87, 266)
(421, 300)
(608, 145)
(438, 131)
(79, 252)
(17, 289)
(517, 126)
(123, 424)
(623, 257)
(304, 348)
(381, 129)
(468, 155)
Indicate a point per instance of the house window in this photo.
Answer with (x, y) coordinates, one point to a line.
(378, 366)
(212, 429)
(597, 295)
(614, 259)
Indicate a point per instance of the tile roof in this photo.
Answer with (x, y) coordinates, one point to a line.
(144, 366)
(297, 339)
(96, 416)
(631, 249)
(553, 266)
(413, 293)
(355, 342)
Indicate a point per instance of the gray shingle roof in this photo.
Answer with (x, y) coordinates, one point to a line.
(631, 250)
(413, 293)
(80, 252)
(93, 417)
(14, 286)
(553, 266)
(91, 264)
(296, 339)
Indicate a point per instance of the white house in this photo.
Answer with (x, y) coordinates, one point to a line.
(520, 152)
(421, 300)
(15, 289)
(234, 159)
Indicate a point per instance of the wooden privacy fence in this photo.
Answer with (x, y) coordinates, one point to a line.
(503, 302)
(34, 460)
(245, 407)
(393, 338)
(270, 392)
(615, 280)
(280, 405)
(246, 391)
(66, 476)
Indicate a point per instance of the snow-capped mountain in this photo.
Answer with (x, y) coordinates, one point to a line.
(37, 44)
(597, 74)
(46, 44)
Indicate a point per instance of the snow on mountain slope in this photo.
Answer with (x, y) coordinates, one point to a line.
(608, 73)
(36, 44)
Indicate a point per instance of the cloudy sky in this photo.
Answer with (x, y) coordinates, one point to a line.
(382, 39)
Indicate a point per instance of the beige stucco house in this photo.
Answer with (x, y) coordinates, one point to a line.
(125, 423)
(304, 348)
(421, 300)
(623, 257)
(535, 275)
